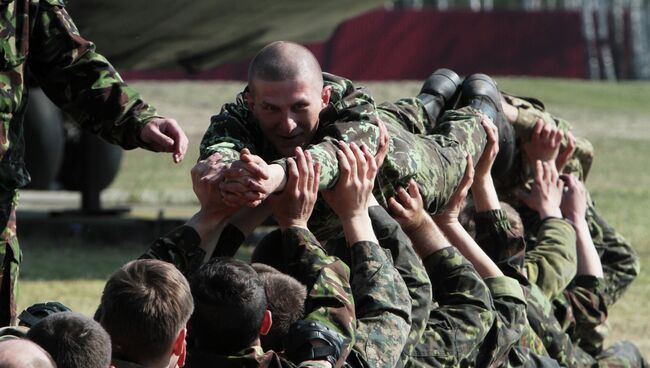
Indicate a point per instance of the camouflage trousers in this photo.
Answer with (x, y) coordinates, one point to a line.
(10, 257)
(436, 160)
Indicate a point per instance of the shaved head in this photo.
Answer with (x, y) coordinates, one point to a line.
(281, 61)
(21, 353)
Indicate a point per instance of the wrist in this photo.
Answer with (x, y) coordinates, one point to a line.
(550, 212)
(278, 178)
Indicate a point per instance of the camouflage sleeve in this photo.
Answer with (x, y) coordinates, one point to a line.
(329, 298)
(551, 263)
(383, 305)
(556, 341)
(464, 314)
(581, 309)
(232, 130)
(180, 247)
(620, 261)
(410, 267)
(82, 82)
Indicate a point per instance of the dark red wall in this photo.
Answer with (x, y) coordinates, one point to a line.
(409, 44)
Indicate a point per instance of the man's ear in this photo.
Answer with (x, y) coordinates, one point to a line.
(266, 323)
(179, 348)
(325, 96)
(248, 97)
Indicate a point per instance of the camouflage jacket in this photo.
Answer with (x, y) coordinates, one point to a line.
(329, 298)
(436, 162)
(253, 357)
(462, 318)
(508, 251)
(510, 325)
(383, 305)
(39, 35)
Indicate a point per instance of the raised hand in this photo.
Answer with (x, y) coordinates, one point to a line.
(294, 205)
(457, 200)
(546, 193)
(544, 143)
(408, 208)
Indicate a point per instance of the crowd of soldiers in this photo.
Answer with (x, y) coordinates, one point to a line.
(448, 229)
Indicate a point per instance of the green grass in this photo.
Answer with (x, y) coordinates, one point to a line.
(612, 116)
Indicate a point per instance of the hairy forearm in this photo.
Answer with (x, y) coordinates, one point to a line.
(427, 238)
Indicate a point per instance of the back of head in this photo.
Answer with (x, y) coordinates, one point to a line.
(282, 60)
(229, 306)
(20, 353)
(286, 297)
(144, 306)
(73, 340)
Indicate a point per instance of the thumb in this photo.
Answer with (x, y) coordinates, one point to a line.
(159, 141)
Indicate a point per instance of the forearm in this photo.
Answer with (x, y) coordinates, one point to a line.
(209, 227)
(358, 228)
(485, 195)
(427, 238)
(83, 82)
(459, 237)
(588, 257)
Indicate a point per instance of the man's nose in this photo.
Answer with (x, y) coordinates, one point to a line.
(289, 122)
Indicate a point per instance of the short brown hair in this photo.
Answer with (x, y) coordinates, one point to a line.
(144, 306)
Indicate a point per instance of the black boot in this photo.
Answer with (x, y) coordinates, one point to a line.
(437, 91)
(480, 92)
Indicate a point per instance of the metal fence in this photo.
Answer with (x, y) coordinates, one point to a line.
(616, 32)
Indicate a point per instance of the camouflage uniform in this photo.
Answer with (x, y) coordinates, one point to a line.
(436, 162)
(252, 357)
(393, 240)
(329, 298)
(620, 261)
(39, 34)
(462, 316)
(508, 251)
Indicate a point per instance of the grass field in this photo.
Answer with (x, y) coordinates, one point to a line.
(613, 116)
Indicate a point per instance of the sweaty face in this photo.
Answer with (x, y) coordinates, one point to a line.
(287, 111)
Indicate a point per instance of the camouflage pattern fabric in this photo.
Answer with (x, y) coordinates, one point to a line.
(10, 257)
(436, 162)
(581, 311)
(252, 357)
(72, 74)
(462, 316)
(552, 262)
(392, 238)
(39, 35)
(541, 314)
(620, 262)
(382, 303)
(179, 247)
(329, 295)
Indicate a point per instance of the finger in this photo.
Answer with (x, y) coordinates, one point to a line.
(344, 165)
(404, 197)
(213, 158)
(316, 177)
(293, 175)
(397, 209)
(413, 190)
(567, 152)
(546, 133)
(557, 138)
(468, 178)
(372, 164)
(539, 172)
(303, 169)
(349, 156)
(180, 141)
(159, 141)
(310, 172)
(362, 166)
(537, 130)
(233, 187)
(383, 145)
